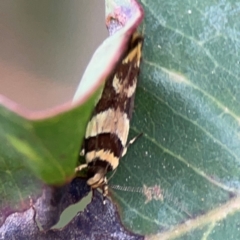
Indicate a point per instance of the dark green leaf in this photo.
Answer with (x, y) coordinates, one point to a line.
(182, 177)
(48, 147)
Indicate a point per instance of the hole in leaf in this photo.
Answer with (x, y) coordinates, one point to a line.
(70, 212)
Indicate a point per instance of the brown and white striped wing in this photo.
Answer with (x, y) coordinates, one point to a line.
(107, 131)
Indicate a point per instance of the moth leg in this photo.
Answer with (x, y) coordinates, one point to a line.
(82, 153)
(80, 167)
(105, 190)
(129, 143)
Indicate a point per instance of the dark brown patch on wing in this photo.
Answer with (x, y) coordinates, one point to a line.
(104, 141)
(126, 72)
(96, 164)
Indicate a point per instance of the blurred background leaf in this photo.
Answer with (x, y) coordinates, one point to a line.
(47, 45)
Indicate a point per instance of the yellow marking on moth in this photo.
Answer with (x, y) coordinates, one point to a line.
(120, 87)
(117, 85)
(24, 148)
(109, 121)
(96, 180)
(131, 90)
(137, 51)
(104, 155)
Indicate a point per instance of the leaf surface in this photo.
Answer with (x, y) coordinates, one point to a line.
(33, 149)
(181, 179)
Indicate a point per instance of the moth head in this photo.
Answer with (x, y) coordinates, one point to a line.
(97, 176)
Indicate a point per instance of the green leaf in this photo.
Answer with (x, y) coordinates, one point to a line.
(181, 180)
(33, 149)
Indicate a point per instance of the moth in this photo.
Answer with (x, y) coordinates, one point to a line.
(107, 131)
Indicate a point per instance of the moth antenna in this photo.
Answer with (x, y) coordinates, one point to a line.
(128, 188)
(112, 174)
